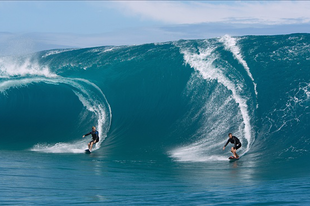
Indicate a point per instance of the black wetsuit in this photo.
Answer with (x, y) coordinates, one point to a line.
(95, 136)
(234, 140)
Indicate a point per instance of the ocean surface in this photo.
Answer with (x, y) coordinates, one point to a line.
(163, 112)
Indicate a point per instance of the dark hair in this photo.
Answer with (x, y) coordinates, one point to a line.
(229, 134)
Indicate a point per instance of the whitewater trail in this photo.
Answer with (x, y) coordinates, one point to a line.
(230, 44)
(203, 62)
(21, 74)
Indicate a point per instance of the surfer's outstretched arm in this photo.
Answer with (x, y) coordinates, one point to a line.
(86, 134)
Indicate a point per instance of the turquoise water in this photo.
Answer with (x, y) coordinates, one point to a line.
(163, 112)
(97, 179)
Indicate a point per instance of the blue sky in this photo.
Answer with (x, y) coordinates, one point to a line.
(36, 25)
(82, 17)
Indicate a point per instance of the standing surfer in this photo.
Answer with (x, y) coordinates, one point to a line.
(237, 144)
(95, 139)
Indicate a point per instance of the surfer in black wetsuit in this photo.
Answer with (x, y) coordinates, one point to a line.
(95, 135)
(237, 144)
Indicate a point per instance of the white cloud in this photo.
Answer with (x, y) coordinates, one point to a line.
(266, 12)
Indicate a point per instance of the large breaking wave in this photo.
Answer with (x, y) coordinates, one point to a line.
(177, 99)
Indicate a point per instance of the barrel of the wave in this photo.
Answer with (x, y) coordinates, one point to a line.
(90, 99)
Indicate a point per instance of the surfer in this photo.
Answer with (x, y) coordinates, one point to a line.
(95, 139)
(237, 144)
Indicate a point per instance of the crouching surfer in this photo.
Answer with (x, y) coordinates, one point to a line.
(95, 138)
(237, 144)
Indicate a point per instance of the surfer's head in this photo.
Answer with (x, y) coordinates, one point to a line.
(93, 128)
(230, 135)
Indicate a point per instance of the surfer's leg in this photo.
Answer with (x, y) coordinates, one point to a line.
(237, 147)
(233, 150)
(237, 155)
(91, 146)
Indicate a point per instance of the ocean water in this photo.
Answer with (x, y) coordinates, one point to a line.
(163, 112)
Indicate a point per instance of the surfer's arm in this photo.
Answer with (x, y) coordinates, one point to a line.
(226, 144)
(86, 134)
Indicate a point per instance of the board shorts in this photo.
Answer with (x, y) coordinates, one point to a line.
(94, 141)
(237, 146)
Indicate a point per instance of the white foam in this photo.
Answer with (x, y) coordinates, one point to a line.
(108, 49)
(77, 147)
(16, 83)
(202, 62)
(10, 67)
(306, 90)
(53, 52)
(192, 157)
(230, 44)
(198, 152)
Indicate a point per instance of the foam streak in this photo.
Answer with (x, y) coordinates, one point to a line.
(230, 44)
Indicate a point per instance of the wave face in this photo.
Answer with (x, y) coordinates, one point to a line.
(177, 99)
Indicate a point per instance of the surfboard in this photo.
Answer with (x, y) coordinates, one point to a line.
(232, 158)
(87, 151)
